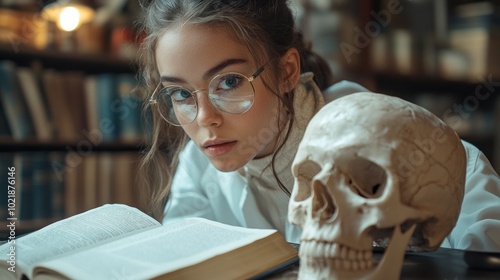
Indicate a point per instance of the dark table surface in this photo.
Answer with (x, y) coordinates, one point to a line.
(443, 264)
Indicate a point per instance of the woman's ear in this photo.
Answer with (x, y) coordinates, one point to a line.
(291, 64)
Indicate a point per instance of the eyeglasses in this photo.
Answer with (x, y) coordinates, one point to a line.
(231, 93)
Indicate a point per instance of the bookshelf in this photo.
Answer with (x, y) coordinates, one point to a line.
(86, 152)
(439, 54)
(448, 66)
(87, 62)
(9, 146)
(473, 117)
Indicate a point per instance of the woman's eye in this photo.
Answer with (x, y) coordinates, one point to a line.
(229, 82)
(180, 95)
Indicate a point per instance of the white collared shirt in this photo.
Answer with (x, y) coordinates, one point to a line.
(250, 197)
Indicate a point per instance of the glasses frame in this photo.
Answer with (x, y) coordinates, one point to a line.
(154, 97)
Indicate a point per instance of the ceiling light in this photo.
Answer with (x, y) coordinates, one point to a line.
(68, 14)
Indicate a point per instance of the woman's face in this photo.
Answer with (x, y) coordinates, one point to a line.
(191, 55)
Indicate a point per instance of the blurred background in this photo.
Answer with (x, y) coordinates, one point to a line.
(64, 64)
(442, 55)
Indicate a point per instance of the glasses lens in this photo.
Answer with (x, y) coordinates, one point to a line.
(177, 105)
(231, 93)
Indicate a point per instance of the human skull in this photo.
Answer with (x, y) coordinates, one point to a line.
(373, 170)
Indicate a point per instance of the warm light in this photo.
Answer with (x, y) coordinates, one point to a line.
(69, 19)
(68, 14)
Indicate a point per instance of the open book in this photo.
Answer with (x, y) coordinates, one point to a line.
(115, 241)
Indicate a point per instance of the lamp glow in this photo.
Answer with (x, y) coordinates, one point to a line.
(68, 14)
(69, 19)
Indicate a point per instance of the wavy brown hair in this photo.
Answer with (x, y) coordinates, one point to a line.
(267, 29)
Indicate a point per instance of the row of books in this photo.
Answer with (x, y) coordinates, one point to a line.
(47, 105)
(469, 117)
(33, 192)
(52, 185)
(475, 119)
(474, 32)
(460, 44)
(101, 178)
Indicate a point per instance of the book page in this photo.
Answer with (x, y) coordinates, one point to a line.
(84, 230)
(155, 252)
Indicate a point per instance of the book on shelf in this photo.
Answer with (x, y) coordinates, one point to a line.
(475, 32)
(30, 87)
(106, 96)
(57, 185)
(73, 180)
(104, 167)
(128, 108)
(124, 186)
(57, 98)
(90, 185)
(76, 100)
(90, 98)
(116, 241)
(24, 186)
(5, 131)
(13, 102)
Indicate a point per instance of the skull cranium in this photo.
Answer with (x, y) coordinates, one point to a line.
(373, 169)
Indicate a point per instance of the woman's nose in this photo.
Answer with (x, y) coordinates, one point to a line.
(207, 114)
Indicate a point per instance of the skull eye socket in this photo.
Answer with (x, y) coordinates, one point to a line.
(366, 178)
(304, 175)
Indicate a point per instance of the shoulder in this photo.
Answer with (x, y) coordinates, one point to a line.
(480, 174)
(478, 223)
(342, 88)
(476, 160)
(473, 154)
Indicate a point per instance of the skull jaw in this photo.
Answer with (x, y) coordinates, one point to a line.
(389, 267)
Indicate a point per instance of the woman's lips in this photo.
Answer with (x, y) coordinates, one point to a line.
(219, 149)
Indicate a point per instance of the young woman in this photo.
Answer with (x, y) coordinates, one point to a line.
(231, 89)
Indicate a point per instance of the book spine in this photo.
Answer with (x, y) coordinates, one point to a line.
(5, 131)
(474, 32)
(33, 96)
(106, 97)
(76, 101)
(42, 196)
(56, 186)
(24, 171)
(128, 108)
(13, 103)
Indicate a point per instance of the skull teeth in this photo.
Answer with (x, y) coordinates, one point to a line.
(338, 256)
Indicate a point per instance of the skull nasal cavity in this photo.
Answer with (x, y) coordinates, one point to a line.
(366, 178)
(323, 206)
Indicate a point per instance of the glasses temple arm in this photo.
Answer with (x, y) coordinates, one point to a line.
(153, 99)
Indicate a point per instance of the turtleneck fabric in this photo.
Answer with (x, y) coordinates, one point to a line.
(270, 200)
